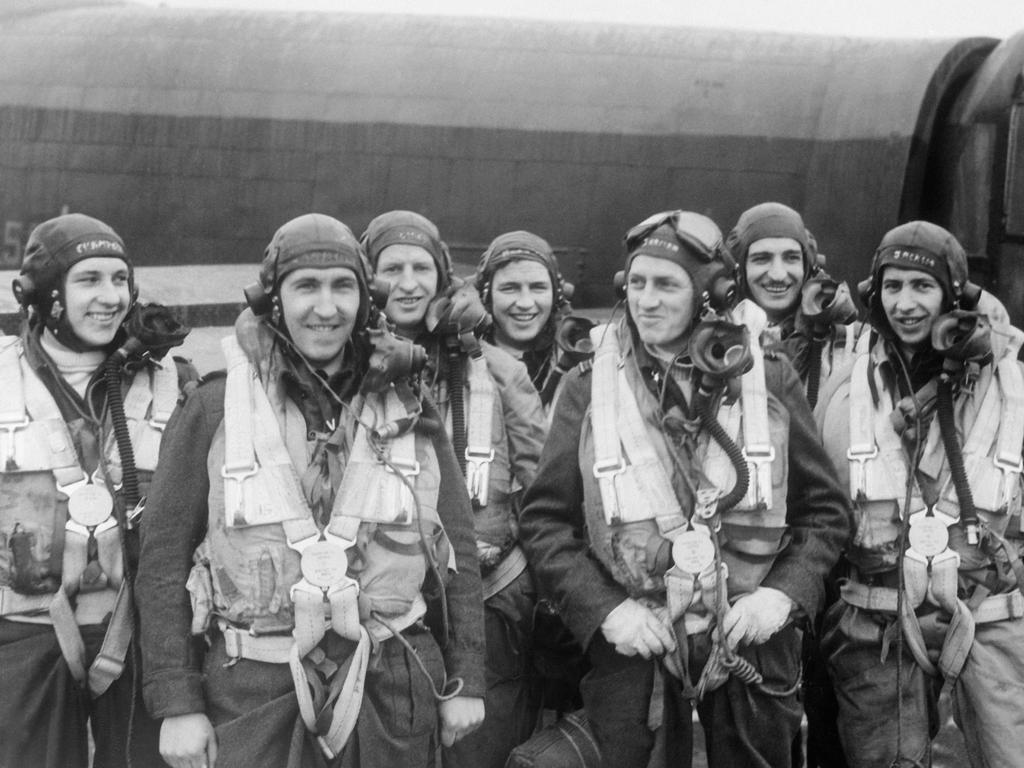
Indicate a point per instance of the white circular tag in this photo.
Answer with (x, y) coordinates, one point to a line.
(928, 536)
(90, 505)
(693, 551)
(324, 564)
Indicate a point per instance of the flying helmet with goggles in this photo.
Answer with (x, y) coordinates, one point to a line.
(694, 242)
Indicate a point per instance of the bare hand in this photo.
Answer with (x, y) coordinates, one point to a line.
(460, 717)
(188, 741)
(755, 617)
(633, 628)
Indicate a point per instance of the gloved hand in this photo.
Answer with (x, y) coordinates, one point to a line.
(633, 628)
(460, 717)
(755, 617)
(467, 311)
(188, 741)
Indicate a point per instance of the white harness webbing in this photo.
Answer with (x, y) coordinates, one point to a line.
(157, 399)
(878, 471)
(35, 437)
(635, 485)
(479, 430)
(259, 476)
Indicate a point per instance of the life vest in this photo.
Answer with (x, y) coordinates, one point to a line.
(489, 476)
(990, 419)
(277, 581)
(52, 513)
(632, 510)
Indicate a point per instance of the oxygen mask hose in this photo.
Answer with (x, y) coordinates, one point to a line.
(115, 400)
(456, 405)
(814, 347)
(955, 456)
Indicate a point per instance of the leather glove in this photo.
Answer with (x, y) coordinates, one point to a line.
(633, 628)
(755, 617)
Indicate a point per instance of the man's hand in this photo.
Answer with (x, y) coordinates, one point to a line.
(633, 628)
(460, 717)
(188, 741)
(754, 618)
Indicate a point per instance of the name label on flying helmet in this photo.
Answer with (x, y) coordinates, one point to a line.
(92, 246)
(923, 258)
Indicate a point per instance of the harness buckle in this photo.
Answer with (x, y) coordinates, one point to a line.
(478, 473)
(761, 457)
(406, 500)
(606, 472)
(8, 459)
(1009, 469)
(858, 458)
(239, 475)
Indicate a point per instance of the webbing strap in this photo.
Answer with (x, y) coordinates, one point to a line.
(507, 571)
(346, 704)
(239, 453)
(72, 647)
(640, 489)
(13, 603)
(109, 662)
(369, 489)
(33, 435)
(877, 469)
(757, 444)
(479, 430)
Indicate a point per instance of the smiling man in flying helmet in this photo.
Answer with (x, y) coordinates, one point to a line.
(684, 513)
(329, 514)
(85, 403)
(926, 429)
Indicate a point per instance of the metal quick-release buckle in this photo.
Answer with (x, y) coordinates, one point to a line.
(607, 471)
(8, 457)
(323, 563)
(928, 536)
(859, 459)
(239, 475)
(406, 500)
(761, 459)
(1009, 470)
(478, 473)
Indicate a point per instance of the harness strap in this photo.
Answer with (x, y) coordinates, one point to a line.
(479, 430)
(641, 489)
(69, 638)
(757, 444)
(346, 700)
(109, 662)
(505, 572)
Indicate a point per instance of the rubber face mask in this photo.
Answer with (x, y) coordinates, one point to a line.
(661, 302)
(522, 298)
(96, 299)
(319, 309)
(412, 274)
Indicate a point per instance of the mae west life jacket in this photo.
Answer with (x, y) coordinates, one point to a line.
(52, 513)
(259, 517)
(631, 508)
(492, 487)
(275, 579)
(990, 420)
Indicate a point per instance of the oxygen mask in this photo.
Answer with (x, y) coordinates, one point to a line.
(458, 314)
(392, 359)
(963, 337)
(573, 340)
(152, 330)
(825, 302)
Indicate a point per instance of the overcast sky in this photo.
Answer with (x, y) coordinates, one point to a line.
(874, 18)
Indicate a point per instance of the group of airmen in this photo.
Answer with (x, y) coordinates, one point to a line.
(356, 545)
